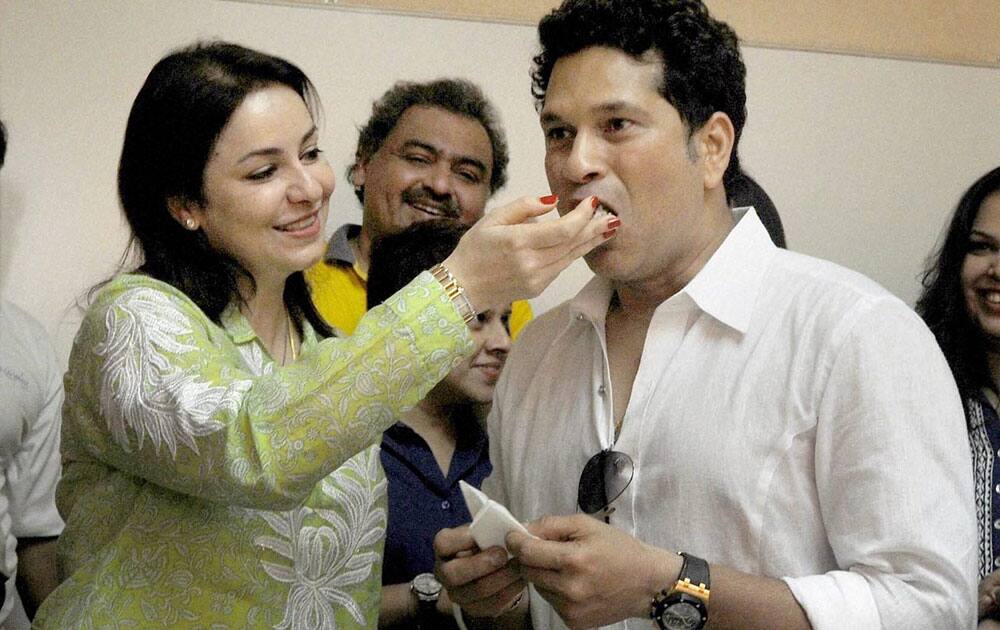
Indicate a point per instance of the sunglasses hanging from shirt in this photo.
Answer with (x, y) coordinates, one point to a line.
(604, 479)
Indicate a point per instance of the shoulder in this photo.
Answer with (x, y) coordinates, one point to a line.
(539, 338)
(19, 327)
(135, 291)
(829, 294)
(27, 357)
(840, 316)
(131, 302)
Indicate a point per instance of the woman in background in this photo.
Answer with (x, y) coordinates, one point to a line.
(220, 468)
(961, 305)
(437, 443)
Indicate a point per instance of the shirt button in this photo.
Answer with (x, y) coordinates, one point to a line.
(445, 505)
(996, 524)
(996, 562)
(997, 488)
(601, 390)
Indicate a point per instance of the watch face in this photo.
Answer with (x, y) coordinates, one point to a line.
(426, 585)
(681, 616)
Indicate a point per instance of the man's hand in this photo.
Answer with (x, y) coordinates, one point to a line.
(483, 583)
(592, 573)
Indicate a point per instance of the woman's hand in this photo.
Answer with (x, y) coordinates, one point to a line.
(506, 256)
(989, 596)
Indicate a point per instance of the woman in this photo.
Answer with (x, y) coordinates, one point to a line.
(961, 305)
(437, 443)
(219, 468)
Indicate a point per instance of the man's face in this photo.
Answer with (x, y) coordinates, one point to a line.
(609, 132)
(434, 164)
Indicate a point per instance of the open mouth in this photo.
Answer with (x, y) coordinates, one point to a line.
(991, 297)
(432, 210)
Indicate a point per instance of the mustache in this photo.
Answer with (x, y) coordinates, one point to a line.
(424, 196)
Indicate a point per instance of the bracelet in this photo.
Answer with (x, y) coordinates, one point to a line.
(455, 292)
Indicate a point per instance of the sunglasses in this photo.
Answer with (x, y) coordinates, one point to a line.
(604, 479)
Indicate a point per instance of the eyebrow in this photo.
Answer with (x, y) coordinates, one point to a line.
(458, 159)
(270, 151)
(610, 107)
(982, 234)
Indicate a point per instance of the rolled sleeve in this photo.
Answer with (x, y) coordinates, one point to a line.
(836, 600)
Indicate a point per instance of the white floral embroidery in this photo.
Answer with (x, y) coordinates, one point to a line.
(142, 389)
(325, 562)
(253, 356)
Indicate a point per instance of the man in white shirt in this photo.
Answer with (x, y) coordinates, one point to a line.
(788, 424)
(30, 400)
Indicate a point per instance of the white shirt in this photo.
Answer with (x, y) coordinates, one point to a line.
(30, 401)
(789, 418)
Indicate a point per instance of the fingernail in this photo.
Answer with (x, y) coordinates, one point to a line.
(594, 202)
(610, 233)
(613, 223)
(548, 200)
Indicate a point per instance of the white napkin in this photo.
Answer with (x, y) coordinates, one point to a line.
(490, 520)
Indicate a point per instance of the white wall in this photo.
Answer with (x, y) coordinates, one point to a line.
(864, 157)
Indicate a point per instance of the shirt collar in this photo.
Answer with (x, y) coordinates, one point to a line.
(236, 325)
(239, 330)
(339, 249)
(728, 285)
(726, 288)
(592, 301)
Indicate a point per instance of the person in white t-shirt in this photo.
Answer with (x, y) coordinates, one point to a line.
(30, 400)
(788, 424)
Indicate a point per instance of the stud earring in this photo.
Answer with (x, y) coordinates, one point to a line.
(190, 224)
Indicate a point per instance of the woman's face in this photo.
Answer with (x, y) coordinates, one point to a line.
(981, 271)
(267, 187)
(473, 380)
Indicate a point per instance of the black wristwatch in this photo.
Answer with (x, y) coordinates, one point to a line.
(427, 590)
(684, 606)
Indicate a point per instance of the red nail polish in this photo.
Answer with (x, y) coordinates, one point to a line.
(613, 223)
(548, 200)
(610, 233)
(594, 202)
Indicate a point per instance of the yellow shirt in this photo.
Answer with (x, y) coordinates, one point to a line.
(339, 289)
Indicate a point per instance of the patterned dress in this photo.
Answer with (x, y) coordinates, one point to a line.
(984, 439)
(207, 487)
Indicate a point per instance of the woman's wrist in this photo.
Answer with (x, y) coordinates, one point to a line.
(455, 291)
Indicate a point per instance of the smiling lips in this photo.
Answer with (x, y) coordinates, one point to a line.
(300, 225)
(491, 370)
(425, 201)
(991, 297)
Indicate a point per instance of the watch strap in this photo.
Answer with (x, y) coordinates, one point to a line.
(693, 578)
(691, 588)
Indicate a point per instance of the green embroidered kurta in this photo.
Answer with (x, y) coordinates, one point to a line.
(204, 486)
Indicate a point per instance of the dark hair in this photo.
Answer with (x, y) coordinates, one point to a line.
(396, 259)
(454, 95)
(175, 120)
(703, 71)
(3, 142)
(942, 303)
(745, 191)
